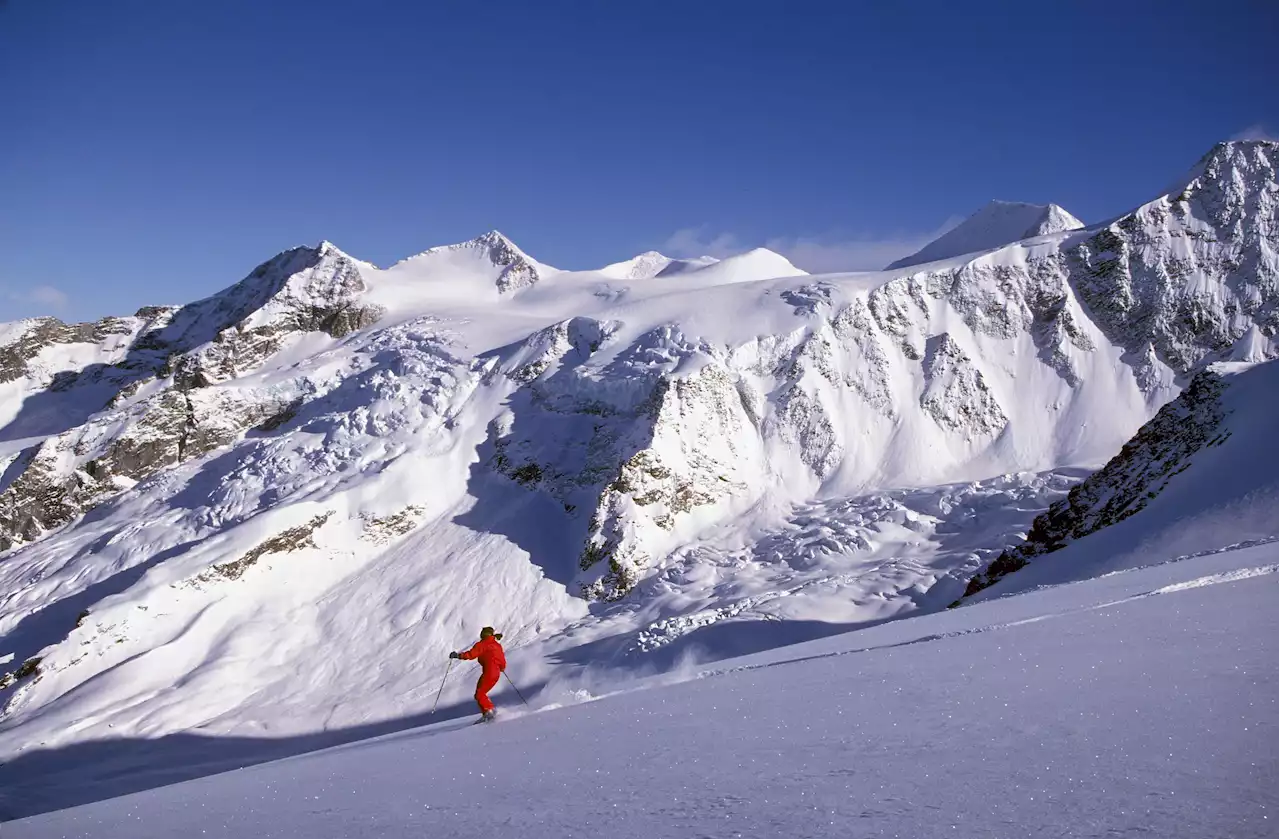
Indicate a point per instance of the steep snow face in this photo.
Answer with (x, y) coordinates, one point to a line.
(999, 223)
(360, 466)
(1205, 462)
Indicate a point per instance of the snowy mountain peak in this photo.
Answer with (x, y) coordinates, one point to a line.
(516, 269)
(640, 267)
(653, 264)
(999, 223)
(498, 241)
(754, 264)
(1233, 180)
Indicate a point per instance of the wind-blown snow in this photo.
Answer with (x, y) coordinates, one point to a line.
(999, 223)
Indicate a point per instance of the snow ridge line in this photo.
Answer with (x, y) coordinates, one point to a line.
(1211, 579)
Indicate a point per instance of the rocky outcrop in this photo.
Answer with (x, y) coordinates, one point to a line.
(1126, 484)
(288, 541)
(310, 290)
(180, 352)
(73, 472)
(700, 440)
(39, 334)
(955, 393)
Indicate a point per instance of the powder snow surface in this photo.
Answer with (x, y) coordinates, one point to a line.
(1142, 702)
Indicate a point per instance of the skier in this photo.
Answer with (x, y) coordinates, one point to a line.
(492, 662)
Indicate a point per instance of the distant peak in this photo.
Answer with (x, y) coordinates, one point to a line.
(762, 258)
(763, 252)
(998, 223)
(639, 267)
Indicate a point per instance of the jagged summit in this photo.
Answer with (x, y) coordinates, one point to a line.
(998, 223)
(492, 242)
(495, 240)
(1235, 184)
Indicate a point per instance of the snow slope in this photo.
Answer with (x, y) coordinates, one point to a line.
(1141, 702)
(1201, 474)
(999, 223)
(303, 491)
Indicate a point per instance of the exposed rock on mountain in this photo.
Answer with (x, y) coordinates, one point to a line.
(1210, 448)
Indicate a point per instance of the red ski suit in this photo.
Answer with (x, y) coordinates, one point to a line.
(493, 661)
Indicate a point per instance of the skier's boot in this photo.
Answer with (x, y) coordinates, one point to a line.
(488, 716)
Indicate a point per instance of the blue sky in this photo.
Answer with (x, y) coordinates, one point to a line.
(157, 151)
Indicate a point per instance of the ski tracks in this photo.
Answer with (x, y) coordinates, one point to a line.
(1199, 582)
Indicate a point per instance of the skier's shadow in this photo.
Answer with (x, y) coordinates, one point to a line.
(43, 780)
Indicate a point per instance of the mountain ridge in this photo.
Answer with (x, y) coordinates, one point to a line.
(607, 468)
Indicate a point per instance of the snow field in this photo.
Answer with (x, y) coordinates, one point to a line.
(1140, 702)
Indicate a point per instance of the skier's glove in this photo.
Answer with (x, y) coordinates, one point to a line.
(454, 655)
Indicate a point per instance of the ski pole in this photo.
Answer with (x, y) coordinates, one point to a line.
(516, 689)
(442, 681)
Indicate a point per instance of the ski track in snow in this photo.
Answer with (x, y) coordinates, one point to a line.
(1215, 579)
(1209, 580)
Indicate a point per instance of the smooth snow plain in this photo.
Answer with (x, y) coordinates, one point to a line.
(1143, 702)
